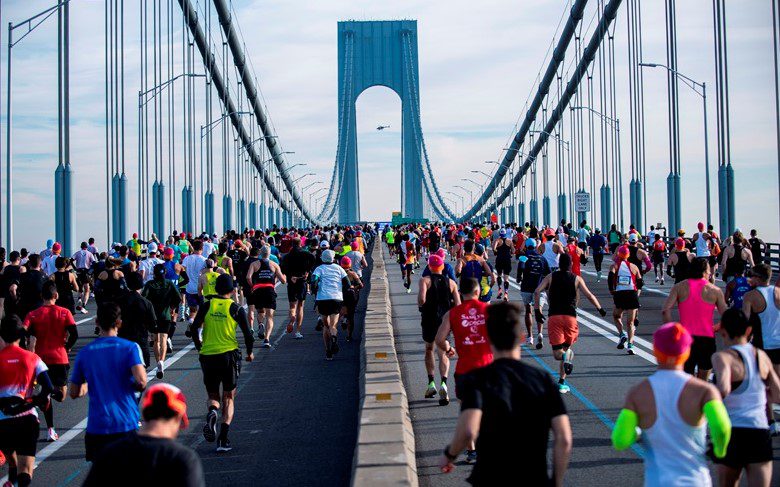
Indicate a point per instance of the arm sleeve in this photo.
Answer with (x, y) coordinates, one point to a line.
(239, 314)
(73, 335)
(625, 432)
(720, 426)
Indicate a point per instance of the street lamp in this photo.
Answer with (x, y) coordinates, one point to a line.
(304, 176)
(310, 185)
(471, 194)
(462, 203)
(455, 203)
(692, 84)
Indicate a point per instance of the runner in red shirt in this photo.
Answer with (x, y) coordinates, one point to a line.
(53, 333)
(19, 371)
(575, 254)
(466, 321)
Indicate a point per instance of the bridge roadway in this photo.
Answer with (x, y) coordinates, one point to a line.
(290, 403)
(602, 377)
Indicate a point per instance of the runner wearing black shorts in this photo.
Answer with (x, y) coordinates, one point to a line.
(263, 274)
(296, 266)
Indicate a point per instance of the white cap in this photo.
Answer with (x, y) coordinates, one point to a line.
(328, 256)
(152, 247)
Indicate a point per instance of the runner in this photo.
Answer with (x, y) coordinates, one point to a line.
(20, 370)
(614, 237)
(679, 261)
(29, 289)
(598, 245)
(220, 357)
(473, 266)
(296, 267)
(138, 317)
(503, 249)
(263, 276)
(669, 410)
(659, 254)
(623, 280)
(736, 289)
(351, 297)
(193, 265)
(165, 299)
(390, 240)
(757, 247)
(563, 288)
(164, 460)
(497, 417)
(49, 264)
(83, 261)
(551, 251)
(146, 267)
(66, 284)
(358, 259)
(576, 256)
(736, 257)
(113, 369)
(466, 321)
(208, 279)
(530, 273)
(696, 298)
(436, 297)
(53, 334)
(744, 376)
(9, 283)
(407, 258)
(329, 280)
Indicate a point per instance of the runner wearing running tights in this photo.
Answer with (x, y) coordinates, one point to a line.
(437, 295)
(624, 280)
(466, 322)
(598, 245)
(641, 259)
(563, 288)
(679, 261)
(503, 249)
(296, 266)
(746, 379)
(696, 298)
(668, 412)
(762, 307)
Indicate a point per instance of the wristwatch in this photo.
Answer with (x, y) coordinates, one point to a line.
(447, 454)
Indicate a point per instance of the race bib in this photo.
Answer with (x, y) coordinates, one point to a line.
(624, 280)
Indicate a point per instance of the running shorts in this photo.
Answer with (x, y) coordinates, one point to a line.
(296, 291)
(264, 298)
(528, 299)
(583, 246)
(94, 444)
(19, 435)
(406, 267)
(194, 300)
(504, 266)
(626, 300)
(351, 298)
(58, 373)
(82, 276)
(702, 350)
(430, 327)
(328, 307)
(658, 257)
(562, 331)
(221, 369)
(747, 445)
(458, 384)
(163, 326)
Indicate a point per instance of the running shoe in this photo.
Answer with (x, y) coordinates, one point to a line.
(563, 388)
(622, 343)
(82, 310)
(266, 343)
(431, 390)
(568, 366)
(169, 344)
(210, 428)
(160, 371)
(289, 328)
(500, 294)
(656, 279)
(53, 436)
(529, 341)
(539, 341)
(506, 297)
(630, 349)
(334, 344)
(774, 429)
(298, 335)
(662, 281)
(471, 456)
(408, 290)
(328, 355)
(444, 396)
(224, 445)
(319, 324)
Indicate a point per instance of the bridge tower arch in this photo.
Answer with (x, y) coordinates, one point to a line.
(378, 53)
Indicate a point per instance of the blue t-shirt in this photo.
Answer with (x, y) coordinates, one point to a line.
(105, 365)
(597, 243)
(448, 272)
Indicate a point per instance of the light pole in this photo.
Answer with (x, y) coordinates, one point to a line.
(462, 202)
(692, 84)
(471, 195)
(453, 200)
(310, 185)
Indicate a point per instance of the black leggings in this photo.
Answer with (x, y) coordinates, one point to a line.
(597, 260)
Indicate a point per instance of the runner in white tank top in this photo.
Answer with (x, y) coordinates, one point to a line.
(550, 255)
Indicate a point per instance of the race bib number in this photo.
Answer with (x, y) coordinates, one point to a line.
(624, 280)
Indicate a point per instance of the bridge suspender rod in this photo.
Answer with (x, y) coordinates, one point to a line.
(210, 64)
(610, 12)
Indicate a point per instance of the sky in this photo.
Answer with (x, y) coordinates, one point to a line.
(478, 67)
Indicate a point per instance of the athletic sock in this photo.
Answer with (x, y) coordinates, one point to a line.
(443, 380)
(24, 480)
(213, 408)
(430, 379)
(561, 381)
(223, 431)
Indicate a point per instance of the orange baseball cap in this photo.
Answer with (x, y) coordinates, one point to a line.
(174, 398)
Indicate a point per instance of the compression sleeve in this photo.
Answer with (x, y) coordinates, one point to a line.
(720, 426)
(625, 432)
(648, 265)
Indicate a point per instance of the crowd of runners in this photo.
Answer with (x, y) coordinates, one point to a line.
(209, 285)
(464, 291)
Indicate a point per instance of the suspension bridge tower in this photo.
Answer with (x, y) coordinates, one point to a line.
(379, 53)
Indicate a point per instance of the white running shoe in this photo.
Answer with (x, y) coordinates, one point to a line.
(53, 436)
(774, 429)
(298, 335)
(529, 341)
(539, 341)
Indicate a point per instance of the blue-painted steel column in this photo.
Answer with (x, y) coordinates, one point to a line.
(263, 222)
(227, 213)
(533, 209)
(546, 210)
(562, 209)
(208, 207)
(521, 213)
(605, 192)
(252, 214)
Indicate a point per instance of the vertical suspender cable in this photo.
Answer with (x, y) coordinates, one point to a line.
(777, 86)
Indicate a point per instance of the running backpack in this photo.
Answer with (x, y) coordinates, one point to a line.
(472, 269)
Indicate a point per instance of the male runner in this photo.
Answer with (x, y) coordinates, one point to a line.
(624, 279)
(20, 370)
(669, 410)
(263, 275)
(530, 273)
(436, 297)
(83, 260)
(598, 246)
(296, 266)
(220, 357)
(504, 249)
(746, 379)
(509, 408)
(165, 299)
(563, 288)
(551, 251)
(659, 253)
(113, 369)
(53, 334)
(466, 321)
(193, 265)
(329, 280)
(757, 247)
(679, 261)
(696, 298)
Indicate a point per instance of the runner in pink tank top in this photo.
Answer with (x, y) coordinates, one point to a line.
(695, 312)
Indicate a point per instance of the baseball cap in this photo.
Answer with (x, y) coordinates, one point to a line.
(324, 244)
(327, 256)
(632, 237)
(435, 262)
(671, 344)
(354, 246)
(224, 284)
(530, 243)
(162, 396)
(679, 243)
(346, 262)
(151, 248)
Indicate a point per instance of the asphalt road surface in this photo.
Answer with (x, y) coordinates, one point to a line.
(602, 377)
(295, 420)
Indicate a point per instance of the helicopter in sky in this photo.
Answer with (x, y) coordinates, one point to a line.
(382, 127)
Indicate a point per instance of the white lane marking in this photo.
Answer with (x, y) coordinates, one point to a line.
(598, 320)
(644, 288)
(69, 435)
(83, 321)
(613, 338)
